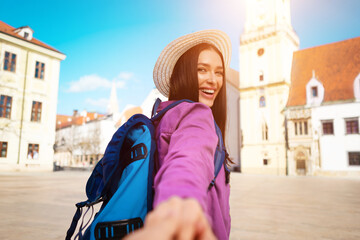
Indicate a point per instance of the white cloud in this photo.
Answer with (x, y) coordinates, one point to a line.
(125, 75)
(101, 102)
(93, 82)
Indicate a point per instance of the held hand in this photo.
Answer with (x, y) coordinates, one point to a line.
(176, 218)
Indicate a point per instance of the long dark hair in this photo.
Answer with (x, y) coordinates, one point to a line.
(184, 85)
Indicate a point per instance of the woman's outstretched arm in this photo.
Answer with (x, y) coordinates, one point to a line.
(176, 218)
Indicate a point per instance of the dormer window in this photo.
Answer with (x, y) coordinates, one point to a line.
(314, 91)
(25, 32)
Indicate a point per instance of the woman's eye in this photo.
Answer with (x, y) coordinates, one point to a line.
(201, 70)
(220, 73)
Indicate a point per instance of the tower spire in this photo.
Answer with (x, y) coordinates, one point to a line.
(113, 106)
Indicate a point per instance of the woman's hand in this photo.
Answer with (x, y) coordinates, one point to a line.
(176, 218)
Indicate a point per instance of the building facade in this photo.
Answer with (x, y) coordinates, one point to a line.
(29, 79)
(323, 110)
(266, 49)
(81, 139)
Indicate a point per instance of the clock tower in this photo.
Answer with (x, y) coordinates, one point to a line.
(266, 48)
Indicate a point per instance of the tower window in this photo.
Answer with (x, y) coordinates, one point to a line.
(261, 76)
(265, 131)
(262, 102)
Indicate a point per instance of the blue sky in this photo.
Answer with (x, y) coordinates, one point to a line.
(117, 40)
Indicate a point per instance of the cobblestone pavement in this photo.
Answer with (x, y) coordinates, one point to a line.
(41, 206)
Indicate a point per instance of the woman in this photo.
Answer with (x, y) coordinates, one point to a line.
(191, 67)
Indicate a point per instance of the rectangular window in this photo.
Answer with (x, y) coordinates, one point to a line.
(314, 91)
(5, 106)
(354, 158)
(352, 126)
(10, 62)
(265, 132)
(3, 149)
(33, 151)
(328, 127)
(39, 70)
(301, 127)
(36, 112)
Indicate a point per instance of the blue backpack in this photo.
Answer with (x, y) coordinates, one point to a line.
(123, 180)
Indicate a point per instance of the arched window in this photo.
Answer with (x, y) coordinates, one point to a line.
(265, 131)
(261, 76)
(262, 102)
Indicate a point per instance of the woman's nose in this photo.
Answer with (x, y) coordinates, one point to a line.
(211, 78)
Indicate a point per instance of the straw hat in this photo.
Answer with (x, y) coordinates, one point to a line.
(173, 51)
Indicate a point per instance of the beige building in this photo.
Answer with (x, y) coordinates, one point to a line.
(266, 49)
(29, 77)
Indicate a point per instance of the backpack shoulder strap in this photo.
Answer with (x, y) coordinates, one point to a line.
(220, 153)
(155, 107)
(159, 115)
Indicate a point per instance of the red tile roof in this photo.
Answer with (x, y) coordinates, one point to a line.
(336, 65)
(9, 30)
(63, 121)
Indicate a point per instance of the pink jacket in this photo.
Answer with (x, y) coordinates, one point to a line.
(186, 142)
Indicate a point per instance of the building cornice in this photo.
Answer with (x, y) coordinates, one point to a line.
(270, 85)
(328, 103)
(31, 46)
(267, 32)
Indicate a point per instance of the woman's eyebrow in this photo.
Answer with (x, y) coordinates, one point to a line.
(208, 65)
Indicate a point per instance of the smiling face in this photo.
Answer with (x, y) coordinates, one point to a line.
(210, 74)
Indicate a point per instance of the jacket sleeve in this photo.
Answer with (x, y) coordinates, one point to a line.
(188, 167)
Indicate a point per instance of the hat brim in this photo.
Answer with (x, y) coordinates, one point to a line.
(173, 51)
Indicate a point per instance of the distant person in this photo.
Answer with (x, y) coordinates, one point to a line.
(191, 67)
